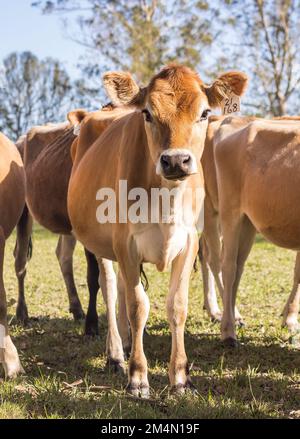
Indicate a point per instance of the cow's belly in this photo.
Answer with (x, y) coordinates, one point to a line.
(47, 188)
(282, 233)
(160, 245)
(95, 237)
(282, 237)
(276, 215)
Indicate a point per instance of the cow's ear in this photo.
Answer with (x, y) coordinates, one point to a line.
(122, 89)
(225, 85)
(75, 117)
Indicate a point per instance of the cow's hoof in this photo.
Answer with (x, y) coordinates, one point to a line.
(216, 317)
(294, 340)
(139, 391)
(77, 312)
(116, 366)
(22, 315)
(12, 373)
(10, 360)
(91, 327)
(230, 342)
(181, 389)
(292, 324)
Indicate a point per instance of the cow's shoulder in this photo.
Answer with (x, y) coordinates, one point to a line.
(274, 133)
(227, 136)
(41, 135)
(48, 128)
(20, 144)
(255, 141)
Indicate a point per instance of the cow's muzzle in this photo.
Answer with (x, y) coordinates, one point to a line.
(177, 165)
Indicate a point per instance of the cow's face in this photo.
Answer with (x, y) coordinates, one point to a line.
(175, 115)
(175, 107)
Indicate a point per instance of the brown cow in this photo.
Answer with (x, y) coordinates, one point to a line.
(46, 153)
(158, 147)
(210, 245)
(257, 165)
(48, 165)
(12, 201)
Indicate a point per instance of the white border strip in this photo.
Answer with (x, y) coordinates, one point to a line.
(2, 337)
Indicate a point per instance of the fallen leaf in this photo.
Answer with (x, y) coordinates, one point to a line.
(74, 384)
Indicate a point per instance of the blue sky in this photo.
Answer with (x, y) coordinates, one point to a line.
(25, 28)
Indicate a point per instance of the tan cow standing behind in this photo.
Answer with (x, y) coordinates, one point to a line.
(210, 244)
(47, 160)
(158, 147)
(12, 201)
(258, 177)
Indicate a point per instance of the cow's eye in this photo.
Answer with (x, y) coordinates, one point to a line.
(147, 114)
(204, 115)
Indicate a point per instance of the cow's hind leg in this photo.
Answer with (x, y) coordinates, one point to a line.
(22, 253)
(291, 309)
(91, 321)
(108, 283)
(238, 237)
(8, 353)
(211, 247)
(64, 252)
(209, 290)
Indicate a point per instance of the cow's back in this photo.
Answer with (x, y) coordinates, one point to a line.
(48, 167)
(259, 171)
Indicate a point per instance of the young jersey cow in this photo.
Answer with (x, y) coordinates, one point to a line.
(47, 161)
(12, 201)
(210, 243)
(158, 147)
(257, 165)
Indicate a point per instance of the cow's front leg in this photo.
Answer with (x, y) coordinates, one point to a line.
(238, 237)
(177, 304)
(137, 305)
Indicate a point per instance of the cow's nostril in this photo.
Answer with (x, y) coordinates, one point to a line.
(186, 159)
(165, 161)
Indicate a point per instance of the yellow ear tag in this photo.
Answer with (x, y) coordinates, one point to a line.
(231, 104)
(76, 130)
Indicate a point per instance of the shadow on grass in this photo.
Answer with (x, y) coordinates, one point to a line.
(231, 383)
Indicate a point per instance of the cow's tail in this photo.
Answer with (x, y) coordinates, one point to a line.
(30, 249)
(144, 279)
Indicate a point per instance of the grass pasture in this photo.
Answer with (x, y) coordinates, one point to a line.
(260, 379)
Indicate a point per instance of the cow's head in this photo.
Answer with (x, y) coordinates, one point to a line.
(175, 106)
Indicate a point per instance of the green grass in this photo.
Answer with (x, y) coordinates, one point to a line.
(261, 379)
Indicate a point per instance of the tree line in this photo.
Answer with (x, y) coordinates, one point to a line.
(259, 37)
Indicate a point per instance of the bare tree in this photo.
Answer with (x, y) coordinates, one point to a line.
(138, 35)
(270, 48)
(32, 92)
